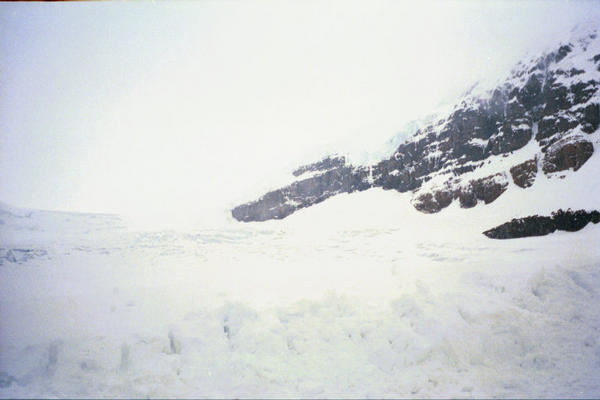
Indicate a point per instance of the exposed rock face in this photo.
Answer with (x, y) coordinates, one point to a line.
(572, 221)
(325, 164)
(522, 227)
(591, 118)
(524, 174)
(282, 202)
(536, 225)
(571, 154)
(433, 202)
(551, 103)
(486, 189)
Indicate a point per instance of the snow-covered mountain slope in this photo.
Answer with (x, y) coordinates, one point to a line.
(30, 221)
(542, 120)
(359, 296)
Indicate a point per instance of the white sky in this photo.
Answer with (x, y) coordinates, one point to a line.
(191, 107)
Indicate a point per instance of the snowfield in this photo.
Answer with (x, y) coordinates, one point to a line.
(360, 296)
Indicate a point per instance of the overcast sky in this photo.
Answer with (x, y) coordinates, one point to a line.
(163, 108)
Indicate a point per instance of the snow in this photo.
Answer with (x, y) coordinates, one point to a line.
(478, 142)
(432, 155)
(408, 132)
(359, 296)
(585, 42)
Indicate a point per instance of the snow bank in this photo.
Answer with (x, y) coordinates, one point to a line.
(360, 296)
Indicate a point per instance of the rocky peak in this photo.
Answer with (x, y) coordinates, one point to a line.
(326, 164)
(548, 108)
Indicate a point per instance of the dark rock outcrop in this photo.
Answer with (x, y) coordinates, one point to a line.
(549, 99)
(524, 174)
(590, 118)
(433, 202)
(564, 155)
(522, 227)
(536, 225)
(325, 164)
(488, 189)
(485, 189)
(282, 202)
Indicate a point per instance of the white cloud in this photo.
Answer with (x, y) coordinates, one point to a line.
(155, 107)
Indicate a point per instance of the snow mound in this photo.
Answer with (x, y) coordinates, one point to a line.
(339, 300)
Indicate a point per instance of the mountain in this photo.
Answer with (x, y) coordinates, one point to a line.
(542, 119)
(29, 222)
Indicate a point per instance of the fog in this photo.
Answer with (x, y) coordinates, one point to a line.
(173, 110)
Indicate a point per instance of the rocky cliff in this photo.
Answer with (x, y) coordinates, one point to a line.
(543, 118)
(536, 225)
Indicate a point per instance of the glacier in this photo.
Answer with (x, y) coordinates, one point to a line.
(361, 296)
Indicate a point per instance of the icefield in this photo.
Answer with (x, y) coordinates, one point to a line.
(358, 297)
(170, 116)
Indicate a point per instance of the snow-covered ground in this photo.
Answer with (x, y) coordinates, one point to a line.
(360, 296)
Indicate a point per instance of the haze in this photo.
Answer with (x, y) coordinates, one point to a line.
(188, 108)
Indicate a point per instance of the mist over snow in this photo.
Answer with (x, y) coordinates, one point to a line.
(129, 131)
(341, 300)
(185, 108)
